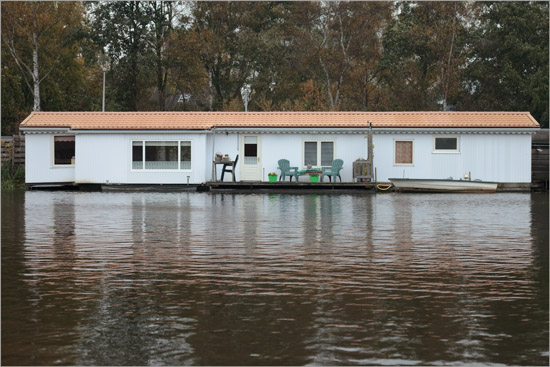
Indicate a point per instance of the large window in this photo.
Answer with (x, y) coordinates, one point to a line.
(403, 152)
(161, 155)
(318, 153)
(63, 150)
(446, 144)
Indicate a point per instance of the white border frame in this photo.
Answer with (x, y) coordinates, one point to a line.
(318, 141)
(446, 151)
(395, 140)
(179, 169)
(52, 152)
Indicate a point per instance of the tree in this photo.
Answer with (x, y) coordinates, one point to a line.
(162, 23)
(188, 77)
(425, 53)
(31, 32)
(121, 29)
(229, 34)
(508, 69)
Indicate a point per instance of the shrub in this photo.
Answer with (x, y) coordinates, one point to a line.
(12, 177)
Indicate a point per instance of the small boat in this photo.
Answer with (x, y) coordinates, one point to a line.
(442, 185)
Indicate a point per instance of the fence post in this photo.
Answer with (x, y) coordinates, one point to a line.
(13, 153)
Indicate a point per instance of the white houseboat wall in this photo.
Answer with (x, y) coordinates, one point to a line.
(183, 152)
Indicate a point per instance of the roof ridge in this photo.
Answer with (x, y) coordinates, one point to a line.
(282, 112)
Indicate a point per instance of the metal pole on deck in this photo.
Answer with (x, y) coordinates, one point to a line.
(371, 153)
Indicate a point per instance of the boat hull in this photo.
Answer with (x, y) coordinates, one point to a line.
(433, 185)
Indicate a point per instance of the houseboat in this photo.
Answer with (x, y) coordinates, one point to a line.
(111, 148)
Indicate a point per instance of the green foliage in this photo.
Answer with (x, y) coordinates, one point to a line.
(62, 74)
(509, 68)
(425, 50)
(12, 177)
(313, 56)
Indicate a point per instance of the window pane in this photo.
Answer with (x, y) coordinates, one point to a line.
(310, 153)
(250, 150)
(446, 143)
(185, 154)
(64, 149)
(327, 153)
(137, 155)
(161, 155)
(403, 152)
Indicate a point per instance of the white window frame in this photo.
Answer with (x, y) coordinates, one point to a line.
(52, 152)
(395, 155)
(143, 141)
(447, 151)
(318, 141)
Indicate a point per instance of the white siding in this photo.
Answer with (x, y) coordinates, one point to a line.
(39, 161)
(225, 144)
(489, 157)
(103, 158)
(347, 147)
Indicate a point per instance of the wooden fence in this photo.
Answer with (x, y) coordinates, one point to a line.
(540, 159)
(13, 150)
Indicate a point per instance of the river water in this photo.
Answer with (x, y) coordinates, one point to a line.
(226, 279)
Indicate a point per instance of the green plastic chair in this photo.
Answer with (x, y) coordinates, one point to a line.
(333, 171)
(286, 170)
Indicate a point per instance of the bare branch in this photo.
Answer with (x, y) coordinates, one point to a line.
(19, 62)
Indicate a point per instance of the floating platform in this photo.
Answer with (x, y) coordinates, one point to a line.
(252, 187)
(292, 187)
(249, 187)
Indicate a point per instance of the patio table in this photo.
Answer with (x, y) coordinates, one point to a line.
(225, 163)
(313, 174)
(310, 171)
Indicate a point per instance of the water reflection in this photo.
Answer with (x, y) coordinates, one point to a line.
(188, 278)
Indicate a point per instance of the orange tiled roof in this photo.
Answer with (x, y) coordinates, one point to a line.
(207, 120)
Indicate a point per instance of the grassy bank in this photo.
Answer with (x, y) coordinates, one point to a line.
(12, 177)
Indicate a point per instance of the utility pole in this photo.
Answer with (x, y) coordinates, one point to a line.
(103, 103)
(103, 61)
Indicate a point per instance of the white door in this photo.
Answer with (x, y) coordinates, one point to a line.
(250, 162)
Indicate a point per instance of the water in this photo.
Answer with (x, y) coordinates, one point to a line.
(210, 279)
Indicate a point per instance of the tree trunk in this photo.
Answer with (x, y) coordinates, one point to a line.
(35, 74)
(364, 93)
(210, 91)
(445, 74)
(160, 81)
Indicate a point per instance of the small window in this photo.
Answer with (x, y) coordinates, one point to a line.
(64, 150)
(250, 150)
(318, 157)
(446, 144)
(404, 152)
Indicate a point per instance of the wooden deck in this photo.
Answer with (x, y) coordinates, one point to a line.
(251, 187)
(291, 187)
